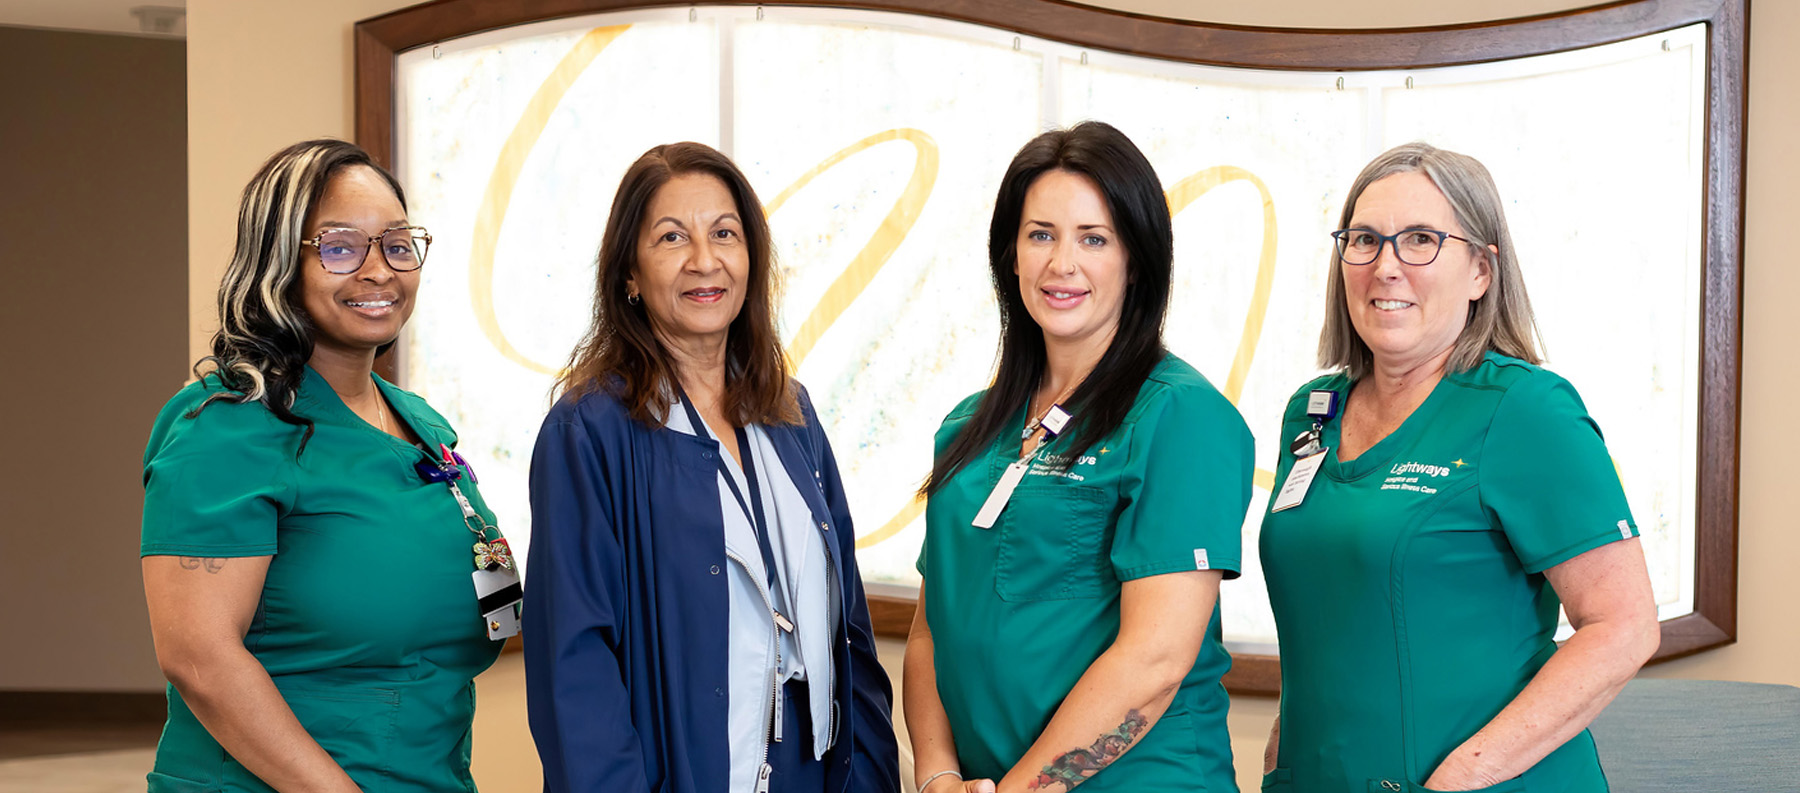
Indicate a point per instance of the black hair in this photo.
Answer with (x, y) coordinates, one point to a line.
(1140, 214)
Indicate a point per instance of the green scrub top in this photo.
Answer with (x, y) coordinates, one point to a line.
(1408, 586)
(369, 623)
(1020, 611)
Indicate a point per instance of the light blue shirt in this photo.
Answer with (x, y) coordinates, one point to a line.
(763, 657)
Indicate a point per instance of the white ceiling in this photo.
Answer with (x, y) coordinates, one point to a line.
(99, 16)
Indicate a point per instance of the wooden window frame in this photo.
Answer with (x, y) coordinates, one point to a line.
(1713, 621)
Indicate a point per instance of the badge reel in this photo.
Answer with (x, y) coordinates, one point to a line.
(1308, 449)
(1054, 421)
(498, 591)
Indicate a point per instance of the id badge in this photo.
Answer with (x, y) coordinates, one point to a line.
(1002, 493)
(500, 596)
(1299, 478)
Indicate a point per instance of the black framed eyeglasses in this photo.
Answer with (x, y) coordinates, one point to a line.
(1417, 247)
(342, 251)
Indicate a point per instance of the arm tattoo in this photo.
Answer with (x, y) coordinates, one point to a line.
(197, 562)
(1074, 766)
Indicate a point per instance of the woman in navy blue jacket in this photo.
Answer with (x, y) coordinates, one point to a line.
(695, 621)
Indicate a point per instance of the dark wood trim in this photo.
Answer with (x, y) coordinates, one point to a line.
(70, 708)
(1714, 621)
(379, 39)
(1254, 674)
(892, 616)
(374, 81)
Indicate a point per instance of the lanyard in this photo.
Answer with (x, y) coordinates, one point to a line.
(753, 506)
(489, 554)
(1051, 424)
(1308, 449)
(1321, 406)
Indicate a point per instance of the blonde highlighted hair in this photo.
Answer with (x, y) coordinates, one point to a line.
(1500, 320)
(264, 339)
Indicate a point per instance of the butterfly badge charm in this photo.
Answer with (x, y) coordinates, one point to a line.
(489, 555)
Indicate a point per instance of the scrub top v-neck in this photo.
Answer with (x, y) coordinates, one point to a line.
(1408, 585)
(1020, 611)
(368, 623)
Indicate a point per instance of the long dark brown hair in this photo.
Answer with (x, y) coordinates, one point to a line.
(620, 352)
(1140, 212)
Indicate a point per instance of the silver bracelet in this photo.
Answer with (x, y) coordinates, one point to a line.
(933, 778)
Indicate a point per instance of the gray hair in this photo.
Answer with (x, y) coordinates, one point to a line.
(1500, 320)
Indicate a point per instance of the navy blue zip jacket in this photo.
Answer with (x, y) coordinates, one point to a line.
(625, 633)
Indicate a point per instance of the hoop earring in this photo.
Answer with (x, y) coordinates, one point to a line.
(633, 298)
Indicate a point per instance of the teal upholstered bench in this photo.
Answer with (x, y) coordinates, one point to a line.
(1701, 735)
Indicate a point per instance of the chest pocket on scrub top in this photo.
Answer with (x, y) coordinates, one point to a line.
(1052, 540)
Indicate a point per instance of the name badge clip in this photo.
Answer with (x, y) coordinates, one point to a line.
(1321, 406)
(1308, 449)
(1055, 420)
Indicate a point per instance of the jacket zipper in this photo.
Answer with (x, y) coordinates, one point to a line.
(834, 598)
(764, 770)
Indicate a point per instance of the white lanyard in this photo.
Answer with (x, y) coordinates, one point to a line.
(1052, 423)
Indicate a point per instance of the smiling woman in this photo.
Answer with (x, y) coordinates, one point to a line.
(1083, 509)
(693, 266)
(682, 639)
(276, 480)
(365, 310)
(1417, 618)
(1071, 263)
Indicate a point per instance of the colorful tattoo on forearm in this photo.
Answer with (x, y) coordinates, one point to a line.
(1074, 766)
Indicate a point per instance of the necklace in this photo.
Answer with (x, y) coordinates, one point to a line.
(381, 413)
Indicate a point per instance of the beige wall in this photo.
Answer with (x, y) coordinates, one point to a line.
(93, 178)
(248, 97)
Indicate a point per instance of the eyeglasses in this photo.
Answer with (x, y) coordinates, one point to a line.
(342, 251)
(1417, 247)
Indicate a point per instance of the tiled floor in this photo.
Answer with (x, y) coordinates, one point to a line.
(61, 760)
(120, 771)
(71, 759)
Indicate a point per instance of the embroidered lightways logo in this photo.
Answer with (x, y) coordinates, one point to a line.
(1062, 465)
(1420, 477)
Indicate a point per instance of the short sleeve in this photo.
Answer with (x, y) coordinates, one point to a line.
(1187, 489)
(1546, 477)
(215, 484)
(952, 424)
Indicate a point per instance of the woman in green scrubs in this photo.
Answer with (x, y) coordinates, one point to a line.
(311, 575)
(1423, 535)
(1082, 510)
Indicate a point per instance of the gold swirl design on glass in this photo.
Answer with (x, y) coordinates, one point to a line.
(1184, 193)
(498, 197)
(887, 238)
(857, 274)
